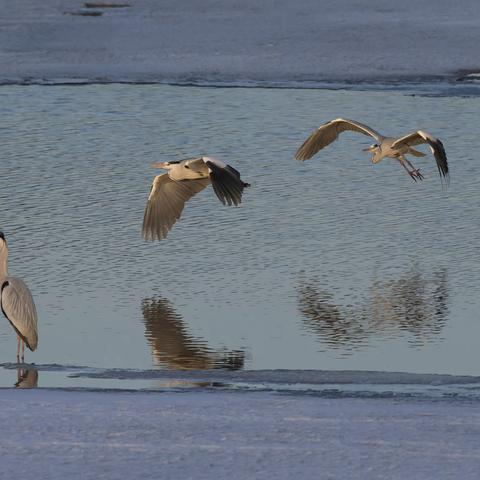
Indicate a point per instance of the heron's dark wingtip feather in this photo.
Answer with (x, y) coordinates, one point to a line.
(226, 184)
(441, 159)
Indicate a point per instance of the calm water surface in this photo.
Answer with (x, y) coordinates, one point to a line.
(333, 264)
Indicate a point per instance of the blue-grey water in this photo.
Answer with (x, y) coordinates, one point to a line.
(333, 264)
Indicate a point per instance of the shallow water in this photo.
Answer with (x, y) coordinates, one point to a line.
(334, 264)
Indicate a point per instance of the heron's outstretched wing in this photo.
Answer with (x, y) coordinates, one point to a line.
(226, 181)
(436, 146)
(165, 204)
(18, 306)
(329, 132)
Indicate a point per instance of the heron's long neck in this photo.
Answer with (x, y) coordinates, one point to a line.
(3, 263)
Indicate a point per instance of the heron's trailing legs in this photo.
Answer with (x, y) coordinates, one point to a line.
(414, 173)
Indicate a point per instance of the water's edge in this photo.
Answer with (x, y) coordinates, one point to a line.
(458, 85)
(318, 383)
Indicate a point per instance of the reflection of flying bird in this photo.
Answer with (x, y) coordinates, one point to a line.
(412, 306)
(17, 304)
(172, 344)
(183, 180)
(325, 319)
(392, 147)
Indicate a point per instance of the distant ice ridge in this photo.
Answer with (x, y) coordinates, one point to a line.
(468, 85)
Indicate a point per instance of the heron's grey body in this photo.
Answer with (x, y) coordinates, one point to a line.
(17, 303)
(170, 191)
(391, 147)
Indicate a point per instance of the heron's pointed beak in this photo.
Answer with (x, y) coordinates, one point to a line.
(159, 165)
(368, 149)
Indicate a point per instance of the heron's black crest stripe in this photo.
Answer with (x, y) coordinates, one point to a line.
(4, 284)
(173, 162)
(2, 236)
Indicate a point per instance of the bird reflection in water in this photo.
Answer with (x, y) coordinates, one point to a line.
(27, 377)
(414, 306)
(173, 347)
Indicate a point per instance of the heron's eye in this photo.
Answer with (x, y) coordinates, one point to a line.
(186, 166)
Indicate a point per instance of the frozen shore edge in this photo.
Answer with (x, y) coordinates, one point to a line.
(241, 435)
(232, 44)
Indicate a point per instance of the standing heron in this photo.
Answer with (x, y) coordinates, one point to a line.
(392, 147)
(170, 191)
(17, 305)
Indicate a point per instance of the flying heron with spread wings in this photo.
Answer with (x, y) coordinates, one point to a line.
(392, 147)
(17, 305)
(184, 178)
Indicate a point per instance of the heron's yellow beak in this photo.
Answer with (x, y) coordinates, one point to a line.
(159, 165)
(368, 149)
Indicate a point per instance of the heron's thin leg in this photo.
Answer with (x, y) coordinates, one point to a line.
(402, 161)
(18, 349)
(23, 350)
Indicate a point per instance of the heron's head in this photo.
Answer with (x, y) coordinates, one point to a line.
(165, 165)
(372, 148)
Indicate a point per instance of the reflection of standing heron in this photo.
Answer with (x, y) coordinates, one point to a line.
(392, 147)
(172, 345)
(17, 304)
(27, 377)
(170, 191)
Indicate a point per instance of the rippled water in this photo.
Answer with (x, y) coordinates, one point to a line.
(331, 264)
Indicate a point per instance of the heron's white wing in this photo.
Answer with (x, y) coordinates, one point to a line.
(226, 181)
(18, 306)
(436, 146)
(165, 204)
(329, 132)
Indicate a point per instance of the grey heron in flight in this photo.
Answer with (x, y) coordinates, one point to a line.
(17, 304)
(392, 147)
(170, 191)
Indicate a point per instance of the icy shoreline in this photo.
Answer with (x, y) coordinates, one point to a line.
(88, 435)
(238, 43)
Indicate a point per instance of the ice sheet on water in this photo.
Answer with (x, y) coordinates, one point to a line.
(320, 383)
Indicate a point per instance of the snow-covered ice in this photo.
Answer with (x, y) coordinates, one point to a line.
(239, 42)
(91, 435)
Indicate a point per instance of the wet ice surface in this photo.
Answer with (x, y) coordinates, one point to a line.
(233, 42)
(334, 264)
(244, 435)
